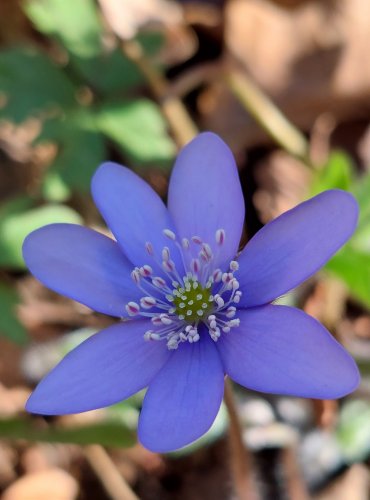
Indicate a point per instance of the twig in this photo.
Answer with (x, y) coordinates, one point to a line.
(103, 466)
(179, 120)
(241, 462)
(270, 118)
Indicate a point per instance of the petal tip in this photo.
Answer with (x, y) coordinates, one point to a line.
(345, 201)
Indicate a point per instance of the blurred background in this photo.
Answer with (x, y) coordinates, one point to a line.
(286, 83)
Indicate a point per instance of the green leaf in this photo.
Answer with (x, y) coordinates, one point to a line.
(337, 173)
(32, 83)
(74, 23)
(139, 130)
(80, 151)
(112, 72)
(353, 267)
(108, 73)
(105, 433)
(16, 225)
(353, 432)
(10, 326)
(105, 71)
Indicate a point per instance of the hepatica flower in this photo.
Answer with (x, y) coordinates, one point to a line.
(192, 308)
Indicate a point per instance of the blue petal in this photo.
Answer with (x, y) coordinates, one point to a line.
(83, 265)
(110, 366)
(282, 350)
(289, 249)
(183, 399)
(134, 213)
(205, 194)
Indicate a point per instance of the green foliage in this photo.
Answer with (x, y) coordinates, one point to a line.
(337, 173)
(32, 85)
(354, 430)
(139, 129)
(353, 267)
(35, 86)
(80, 151)
(10, 326)
(106, 433)
(106, 71)
(76, 26)
(16, 222)
(352, 263)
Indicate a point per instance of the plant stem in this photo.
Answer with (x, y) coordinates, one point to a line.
(103, 466)
(178, 118)
(241, 460)
(270, 118)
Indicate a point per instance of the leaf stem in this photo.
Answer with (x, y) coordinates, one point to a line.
(240, 458)
(103, 466)
(268, 115)
(174, 111)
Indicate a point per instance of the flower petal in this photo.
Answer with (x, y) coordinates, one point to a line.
(83, 265)
(134, 213)
(289, 249)
(184, 398)
(110, 366)
(282, 350)
(205, 194)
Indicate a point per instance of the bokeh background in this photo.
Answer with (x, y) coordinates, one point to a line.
(286, 83)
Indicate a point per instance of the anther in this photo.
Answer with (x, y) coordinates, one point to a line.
(170, 234)
(146, 271)
(132, 308)
(149, 248)
(197, 240)
(166, 254)
(217, 275)
(220, 236)
(165, 319)
(207, 250)
(195, 266)
(234, 266)
(159, 282)
(148, 302)
(168, 266)
(135, 275)
(185, 243)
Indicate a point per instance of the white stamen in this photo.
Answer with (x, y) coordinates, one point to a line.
(217, 275)
(166, 254)
(168, 266)
(234, 266)
(207, 250)
(135, 275)
(132, 308)
(147, 302)
(165, 319)
(179, 308)
(149, 248)
(159, 282)
(146, 271)
(195, 266)
(220, 236)
(170, 234)
(185, 243)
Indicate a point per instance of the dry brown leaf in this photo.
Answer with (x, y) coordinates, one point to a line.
(353, 485)
(310, 60)
(126, 17)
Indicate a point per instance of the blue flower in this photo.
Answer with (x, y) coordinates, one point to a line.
(193, 308)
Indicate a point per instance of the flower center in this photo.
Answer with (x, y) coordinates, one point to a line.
(179, 305)
(192, 302)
